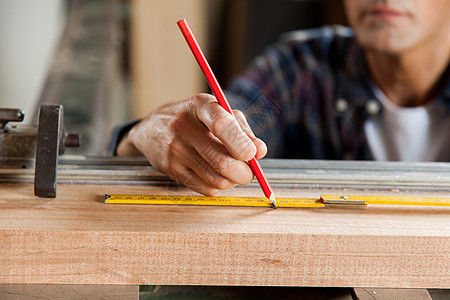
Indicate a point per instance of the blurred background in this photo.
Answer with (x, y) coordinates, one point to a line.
(111, 61)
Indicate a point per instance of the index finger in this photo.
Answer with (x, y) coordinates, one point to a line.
(225, 127)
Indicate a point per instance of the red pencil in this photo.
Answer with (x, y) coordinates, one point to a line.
(220, 96)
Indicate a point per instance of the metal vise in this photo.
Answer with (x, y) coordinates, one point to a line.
(39, 147)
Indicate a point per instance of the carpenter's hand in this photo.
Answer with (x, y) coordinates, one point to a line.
(198, 143)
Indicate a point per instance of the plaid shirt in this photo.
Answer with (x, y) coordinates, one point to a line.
(309, 96)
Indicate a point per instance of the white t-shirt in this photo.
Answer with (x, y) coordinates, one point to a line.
(408, 133)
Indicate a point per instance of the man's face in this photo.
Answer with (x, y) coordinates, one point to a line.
(396, 26)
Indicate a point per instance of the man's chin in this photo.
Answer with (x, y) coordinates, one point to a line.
(384, 41)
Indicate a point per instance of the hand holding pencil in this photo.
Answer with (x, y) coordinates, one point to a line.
(190, 141)
(197, 143)
(218, 92)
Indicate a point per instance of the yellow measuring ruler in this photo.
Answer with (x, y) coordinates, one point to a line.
(356, 201)
(214, 201)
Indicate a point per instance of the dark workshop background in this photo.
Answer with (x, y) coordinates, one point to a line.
(108, 62)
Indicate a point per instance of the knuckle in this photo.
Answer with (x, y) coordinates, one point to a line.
(239, 115)
(247, 151)
(200, 100)
(203, 97)
(220, 122)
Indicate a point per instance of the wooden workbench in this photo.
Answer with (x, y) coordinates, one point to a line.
(77, 239)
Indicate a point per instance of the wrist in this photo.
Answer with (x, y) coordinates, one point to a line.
(126, 147)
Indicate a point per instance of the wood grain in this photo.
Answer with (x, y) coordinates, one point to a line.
(77, 239)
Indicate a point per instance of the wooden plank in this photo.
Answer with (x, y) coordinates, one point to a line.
(77, 239)
(68, 291)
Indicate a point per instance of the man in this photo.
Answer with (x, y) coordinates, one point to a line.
(320, 93)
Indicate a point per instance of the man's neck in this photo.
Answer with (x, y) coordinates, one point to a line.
(413, 78)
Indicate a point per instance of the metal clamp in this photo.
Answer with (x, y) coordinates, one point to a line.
(51, 142)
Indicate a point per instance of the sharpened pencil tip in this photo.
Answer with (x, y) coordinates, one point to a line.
(274, 202)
